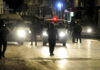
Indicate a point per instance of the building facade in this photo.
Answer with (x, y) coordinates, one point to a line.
(98, 14)
(36, 7)
(1, 6)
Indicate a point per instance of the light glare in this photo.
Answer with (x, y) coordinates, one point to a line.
(61, 34)
(89, 30)
(45, 33)
(21, 33)
(59, 5)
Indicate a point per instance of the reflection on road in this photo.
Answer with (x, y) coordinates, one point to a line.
(61, 52)
(45, 51)
(73, 55)
(62, 64)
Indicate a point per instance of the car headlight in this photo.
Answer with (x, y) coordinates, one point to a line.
(89, 30)
(61, 34)
(21, 33)
(45, 33)
(30, 32)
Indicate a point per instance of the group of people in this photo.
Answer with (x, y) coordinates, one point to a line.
(76, 32)
(52, 33)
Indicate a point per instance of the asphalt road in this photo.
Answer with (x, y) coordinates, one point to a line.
(73, 56)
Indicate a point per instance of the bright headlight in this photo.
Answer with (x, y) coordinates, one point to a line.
(45, 33)
(21, 33)
(61, 34)
(89, 30)
(30, 32)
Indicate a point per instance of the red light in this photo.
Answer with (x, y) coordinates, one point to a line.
(55, 19)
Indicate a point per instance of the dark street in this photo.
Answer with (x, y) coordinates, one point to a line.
(73, 56)
(49, 34)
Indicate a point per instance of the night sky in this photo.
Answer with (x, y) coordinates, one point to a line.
(14, 3)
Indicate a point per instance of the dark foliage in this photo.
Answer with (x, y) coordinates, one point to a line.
(14, 3)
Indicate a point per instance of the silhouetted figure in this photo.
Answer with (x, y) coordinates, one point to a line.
(73, 32)
(76, 35)
(51, 38)
(72, 24)
(3, 38)
(33, 34)
(78, 32)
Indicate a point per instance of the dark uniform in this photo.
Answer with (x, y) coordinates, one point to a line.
(33, 34)
(78, 32)
(3, 38)
(51, 38)
(73, 32)
(77, 29)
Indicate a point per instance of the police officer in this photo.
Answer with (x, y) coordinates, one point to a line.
(3, 38)
(51, 38)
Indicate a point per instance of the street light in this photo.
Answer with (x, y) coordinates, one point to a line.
(59, 5)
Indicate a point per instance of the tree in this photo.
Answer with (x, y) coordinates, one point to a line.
(14, 4)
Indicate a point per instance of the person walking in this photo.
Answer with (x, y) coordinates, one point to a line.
(52, 32)
(3, 38)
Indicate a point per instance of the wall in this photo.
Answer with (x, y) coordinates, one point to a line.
(99, 21)
(1, 6)
(98, 4)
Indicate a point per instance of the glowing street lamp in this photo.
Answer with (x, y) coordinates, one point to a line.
(59, 5)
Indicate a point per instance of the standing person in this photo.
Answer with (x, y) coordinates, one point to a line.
(51, 38)
(73, 32)
(78, 32)
(3, 38)
(72, 24)
(33, 34)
